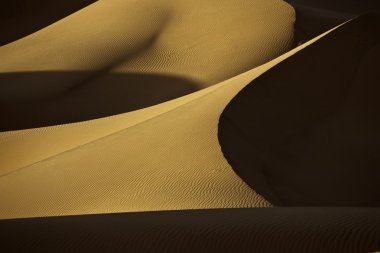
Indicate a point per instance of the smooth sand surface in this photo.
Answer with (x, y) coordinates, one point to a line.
(98, 166)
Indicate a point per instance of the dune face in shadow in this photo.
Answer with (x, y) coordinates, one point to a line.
(329, 230)
(39, 99)
(311, 22)
(307, 131)
(340, 6)
(317, 16)
(19, 18)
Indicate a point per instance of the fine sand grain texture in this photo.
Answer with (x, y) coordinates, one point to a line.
(114, 122)
(160, 158)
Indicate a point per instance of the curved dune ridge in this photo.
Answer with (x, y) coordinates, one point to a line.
(202, 42)
(326, 151)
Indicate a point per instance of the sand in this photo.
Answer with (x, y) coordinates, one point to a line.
(126, 182)
(269, 230)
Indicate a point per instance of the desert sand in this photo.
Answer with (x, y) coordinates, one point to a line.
(287, 229)
(114, 117)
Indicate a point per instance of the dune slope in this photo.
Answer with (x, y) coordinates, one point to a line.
(136, 172)
(269, 230)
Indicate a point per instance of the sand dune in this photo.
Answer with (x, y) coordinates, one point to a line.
(269, 230)
(121, 110)
(185, 39)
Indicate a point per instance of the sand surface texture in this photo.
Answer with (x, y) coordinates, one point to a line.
(110, 127)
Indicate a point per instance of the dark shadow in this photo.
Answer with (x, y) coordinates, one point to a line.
(353, 7)
(19, 18)
(314, 17)
(311, 22)
(306, 132)
(37, 99)
(267, 230)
